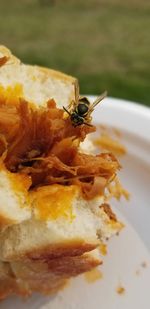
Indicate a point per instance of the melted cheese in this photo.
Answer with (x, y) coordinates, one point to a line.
(20, 184)
(103, 248)
(11, 95)
(52, 202)
(93, 275)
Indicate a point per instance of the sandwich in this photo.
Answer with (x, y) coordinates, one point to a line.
(54, 211)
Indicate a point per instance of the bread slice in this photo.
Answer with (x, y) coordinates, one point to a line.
(49, 234)
(38, 84)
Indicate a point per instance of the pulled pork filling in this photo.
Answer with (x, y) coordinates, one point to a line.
(43, 144)
(3, 60)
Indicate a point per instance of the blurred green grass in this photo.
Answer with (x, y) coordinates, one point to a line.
(106, 44)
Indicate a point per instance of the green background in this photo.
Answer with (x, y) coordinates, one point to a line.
(106, 44)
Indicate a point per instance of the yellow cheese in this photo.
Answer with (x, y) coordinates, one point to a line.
(11, 95)
(54, 201)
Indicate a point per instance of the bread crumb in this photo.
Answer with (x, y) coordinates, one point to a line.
(103, 249)
(144, 264)
(117, 132)
(120, 290)
(137, 272)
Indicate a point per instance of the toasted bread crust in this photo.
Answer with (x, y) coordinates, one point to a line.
(51, 251)
(74, 248)
(4, 221)
(10, 287)
(6, 52)
(56, 74)
(65, 267)
(46, 277)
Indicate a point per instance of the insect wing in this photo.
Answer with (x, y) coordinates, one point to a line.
(97, 101)
(72, 105)
(76, 91)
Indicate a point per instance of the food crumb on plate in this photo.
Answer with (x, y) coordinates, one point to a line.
(120, 290)
(137, 272)
(103, 249)
(144, 264)
(109, 140)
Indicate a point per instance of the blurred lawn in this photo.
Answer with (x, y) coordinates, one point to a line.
(106, 44)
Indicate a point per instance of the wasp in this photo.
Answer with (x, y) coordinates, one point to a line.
(80, 109)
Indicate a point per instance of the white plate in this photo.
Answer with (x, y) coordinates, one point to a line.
(123, 264)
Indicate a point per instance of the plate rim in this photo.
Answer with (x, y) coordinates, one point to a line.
(129, 116)
(131, 105)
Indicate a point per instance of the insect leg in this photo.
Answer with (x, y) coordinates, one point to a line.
(88, 124)
(66, 111)
(88, 118)
(72, 105)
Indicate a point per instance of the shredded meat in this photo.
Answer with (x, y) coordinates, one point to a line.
(109, 139)
(107, 209)
(115, 189)
(3, 60)
(106, 142)
(43, 144)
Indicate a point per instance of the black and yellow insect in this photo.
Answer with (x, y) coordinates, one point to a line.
(80, 109)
